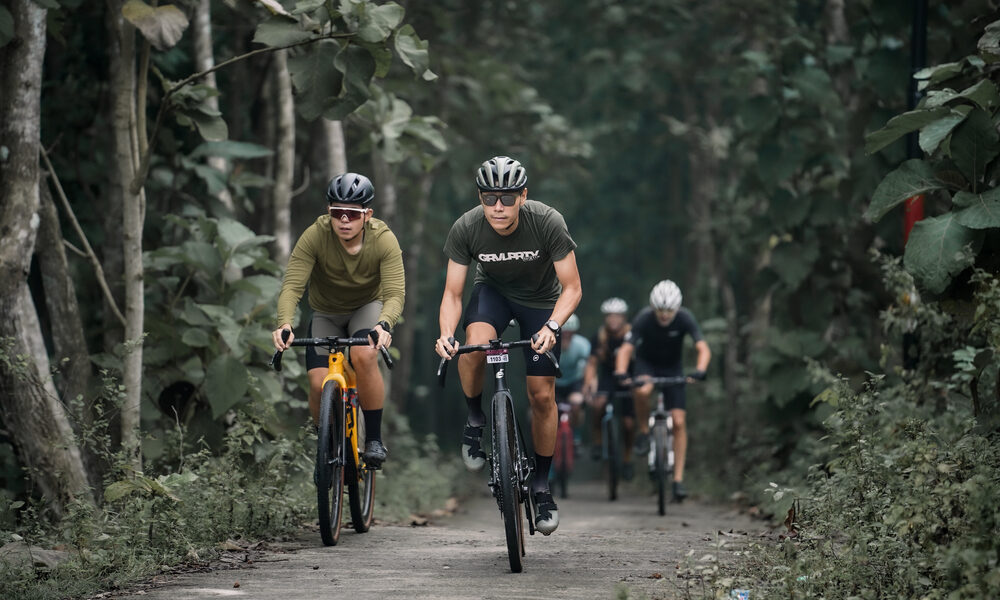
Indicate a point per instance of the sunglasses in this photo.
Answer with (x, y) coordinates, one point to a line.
(506, 199)
(352, 214)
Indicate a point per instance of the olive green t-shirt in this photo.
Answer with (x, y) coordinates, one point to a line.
(339, 282)
(519, 265)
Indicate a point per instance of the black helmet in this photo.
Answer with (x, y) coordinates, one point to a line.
(350, 188)
(501, 174)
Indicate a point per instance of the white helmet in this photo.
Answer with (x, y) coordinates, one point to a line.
(614, 306)
(572, 323)
(665, 296)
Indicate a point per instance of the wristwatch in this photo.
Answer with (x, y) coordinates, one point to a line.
(551, 324)
(384, 325)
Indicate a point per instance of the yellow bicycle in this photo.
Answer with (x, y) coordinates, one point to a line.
(340, 450)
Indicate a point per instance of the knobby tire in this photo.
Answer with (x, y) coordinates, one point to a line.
(360, 481)
(509, 486)
(660, 464)
(330, 463)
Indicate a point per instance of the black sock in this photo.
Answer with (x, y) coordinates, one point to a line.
(476, 414)
(541, 480)
(373, 425)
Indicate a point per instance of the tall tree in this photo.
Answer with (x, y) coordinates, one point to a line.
(29, 403)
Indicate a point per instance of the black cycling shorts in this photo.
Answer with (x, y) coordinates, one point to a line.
(488, 306)
(673, 395)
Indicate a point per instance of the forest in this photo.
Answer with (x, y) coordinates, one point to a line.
(158, 161)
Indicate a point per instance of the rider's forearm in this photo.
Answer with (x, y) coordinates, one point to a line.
(568, 300)
(704, 355)
(623, 357)
(451, 312)
(393, 287)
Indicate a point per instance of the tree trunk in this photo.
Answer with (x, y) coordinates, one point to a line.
(204, 59)
(336, 149)
(126, 141)
(29, 406)
(406, 335)
(385, 187)
(285, 158)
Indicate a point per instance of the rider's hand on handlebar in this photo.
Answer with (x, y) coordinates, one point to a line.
(697, 376)
(276, 337)
(543, 341)
(379, 337)
(446, 346)
(622, 379)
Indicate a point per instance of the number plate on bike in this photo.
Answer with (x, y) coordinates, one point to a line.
(497, 356)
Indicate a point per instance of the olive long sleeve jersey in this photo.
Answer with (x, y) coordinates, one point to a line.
(340, 283)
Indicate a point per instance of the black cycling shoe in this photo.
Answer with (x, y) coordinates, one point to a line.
(472, 450)
(679, 492)
(546, 512)
(375, 453)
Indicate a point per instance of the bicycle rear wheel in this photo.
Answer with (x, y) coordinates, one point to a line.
(614, 460)
(330, 463)
(360, 480)
(660, 448)
(509, 486)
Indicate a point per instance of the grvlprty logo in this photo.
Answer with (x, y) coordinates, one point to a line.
(526, 256)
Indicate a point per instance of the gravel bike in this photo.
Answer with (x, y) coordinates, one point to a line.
(340, 448)
(661, 439)
(510, 467)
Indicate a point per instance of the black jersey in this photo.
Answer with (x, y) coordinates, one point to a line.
(662, 346)
(606, 366)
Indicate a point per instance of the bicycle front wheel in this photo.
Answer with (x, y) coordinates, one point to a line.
(614, 460)
(509, 486)
(360, 480)
(330, 463)
(660, 449)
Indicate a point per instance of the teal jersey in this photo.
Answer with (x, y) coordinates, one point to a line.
(573, 360)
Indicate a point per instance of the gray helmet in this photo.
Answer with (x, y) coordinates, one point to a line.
(501, 174)
(614, 306)
(572, 323)
(350, 188)
(665, 296)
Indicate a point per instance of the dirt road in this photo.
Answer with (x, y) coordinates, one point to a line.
(599, 547)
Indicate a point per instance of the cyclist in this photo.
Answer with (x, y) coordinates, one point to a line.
(526, 269)
(599, 382)
(656, 339)
(574, 350)
(353, 266)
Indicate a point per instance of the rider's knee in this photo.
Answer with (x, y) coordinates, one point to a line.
(680, 422)
(363, 357)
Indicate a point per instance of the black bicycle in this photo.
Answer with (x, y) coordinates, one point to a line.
(510, 467)
(611, 447)
(340, 448)
(661, 439)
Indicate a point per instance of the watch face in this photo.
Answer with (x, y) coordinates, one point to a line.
(552, 325)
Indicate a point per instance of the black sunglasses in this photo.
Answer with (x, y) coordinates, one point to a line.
(506, 199)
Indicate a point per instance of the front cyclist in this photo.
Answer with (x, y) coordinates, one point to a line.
(354, 268)
(526, 269)
(656, 339)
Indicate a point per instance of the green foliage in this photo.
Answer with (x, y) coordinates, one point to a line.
(958, 130)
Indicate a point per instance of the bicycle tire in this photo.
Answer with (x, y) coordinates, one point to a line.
(660, 464)
(360, 481)
(614, 460)
(509, 485)
(330, 463)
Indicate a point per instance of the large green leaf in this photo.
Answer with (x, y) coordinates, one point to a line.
(211, 127)
(989, 44)
(225, 384)
(413, 51)
(195, 337)
(936, 251)
(900, 125)
(913, 177)
(231, 149)
(973, 145)
(281, 30)
(933, 134)
(233, 233)
(162, 26)
(358, 67)
(377, 22)
(979, 211)
(317, 82)
(793, 262)
(937, 73)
